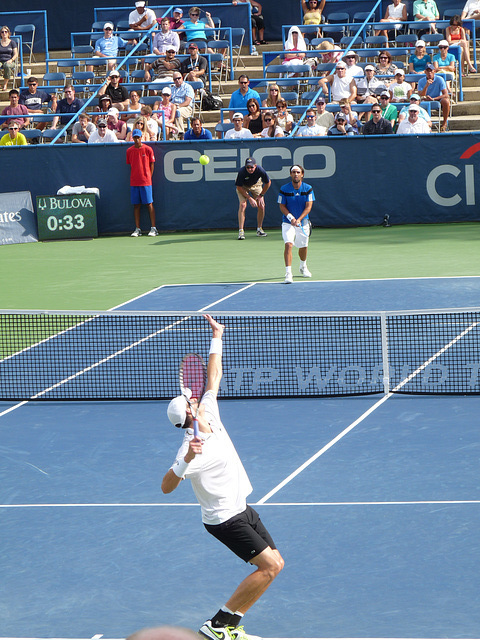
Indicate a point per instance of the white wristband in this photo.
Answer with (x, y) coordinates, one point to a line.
(216, 346)
(180, 467)
(290, 217)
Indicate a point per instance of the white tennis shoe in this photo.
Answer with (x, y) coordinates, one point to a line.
(305, 272)
(214, 633)
(136, 233)
(288, 278)
(153, 232)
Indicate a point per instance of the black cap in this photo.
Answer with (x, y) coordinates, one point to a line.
(250, 162)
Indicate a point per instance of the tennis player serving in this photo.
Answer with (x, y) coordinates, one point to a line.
(221, 486)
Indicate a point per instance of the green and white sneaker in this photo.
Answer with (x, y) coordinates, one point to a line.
(214, 633)
(238, 633)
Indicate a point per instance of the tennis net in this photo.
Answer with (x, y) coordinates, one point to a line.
(133, 355)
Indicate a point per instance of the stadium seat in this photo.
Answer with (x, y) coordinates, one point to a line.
(24, 30)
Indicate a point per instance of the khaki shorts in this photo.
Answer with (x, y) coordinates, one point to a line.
(254, 190)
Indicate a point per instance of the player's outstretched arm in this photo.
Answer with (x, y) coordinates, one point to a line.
(214, 366)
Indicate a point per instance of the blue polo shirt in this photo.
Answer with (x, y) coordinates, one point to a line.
(205, 134)
(435, 89)
(295, 199)
(238, 102)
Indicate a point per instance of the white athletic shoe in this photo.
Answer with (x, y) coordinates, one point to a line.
(305, 272)
(153, 232)
(136, 233)
(214, 633)
(238, 633)
(241, 235)
(288, 278)
(261, 232)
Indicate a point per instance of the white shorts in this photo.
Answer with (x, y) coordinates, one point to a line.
(294, 235)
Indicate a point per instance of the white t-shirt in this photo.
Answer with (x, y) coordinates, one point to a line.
(134, 17)
(109, 137)
(316, 130)
(420, 126)
(400, 91)
(235, 135)
(218, 477)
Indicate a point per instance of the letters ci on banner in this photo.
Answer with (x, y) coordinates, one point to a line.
(17, 219)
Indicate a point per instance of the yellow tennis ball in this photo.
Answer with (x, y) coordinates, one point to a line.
(204, 159)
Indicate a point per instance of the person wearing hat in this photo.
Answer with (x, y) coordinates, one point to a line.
(238, 131)
(165, 38)
(102, 135)
(368, 87)
(377, 125)
(295, 200)
(353, 70)
(413, 124)
(427, 11)
(195, 66)
(176, 22)
(311, 128)
(169, 112)
(163, 68)
(252, 183)
(423, 113)
(117, 92)
(114, 124)
(141, 18)
(221, 485)
(141, 159)
(389, 111)
(107, 47)
(340, 85)
(419, 59)
(432, 88)
(341, 126)
(324, 118)
(182, 96)
(400, 90)
(444, 62)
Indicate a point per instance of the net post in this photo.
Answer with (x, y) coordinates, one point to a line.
(385, 360)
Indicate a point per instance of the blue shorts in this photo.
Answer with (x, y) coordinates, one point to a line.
(141, 195)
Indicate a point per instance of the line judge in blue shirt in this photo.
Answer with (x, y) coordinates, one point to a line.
(197, 132)
(240, 97)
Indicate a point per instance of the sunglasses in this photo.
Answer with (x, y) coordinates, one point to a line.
(177, 77)
(274, 90)
(244, 81)
(309, 117)
(102, 126)
(13, 128)
(194, 14)
(268, 119)
(383, 58)
(411, 112)
(442, 47)
(171, 51)
(376, 111)
(32, 84)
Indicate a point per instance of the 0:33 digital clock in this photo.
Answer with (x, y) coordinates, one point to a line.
(63, 217)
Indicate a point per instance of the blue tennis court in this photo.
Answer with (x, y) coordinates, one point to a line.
(373, 501)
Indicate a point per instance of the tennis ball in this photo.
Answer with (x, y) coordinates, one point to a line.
(204, 160)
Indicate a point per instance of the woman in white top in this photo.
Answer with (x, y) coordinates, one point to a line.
(272, 129)
(397, 13)
(284, 118)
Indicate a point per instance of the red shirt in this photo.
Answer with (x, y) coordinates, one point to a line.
(139, 160)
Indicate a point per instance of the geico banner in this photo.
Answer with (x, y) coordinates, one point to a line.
(357, 180)
(17, 219)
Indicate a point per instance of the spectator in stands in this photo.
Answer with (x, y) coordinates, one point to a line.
(330, 53)
(413, 124)
(240, 97)
(194, 29)
(423, 113)
(238, 130)
(163, 68)
(353, 70)
(341, 86)
(165, 38)
(445, 62)
(395, 12)
(258, 23)
(369, 87)
(312, 12)
(182, 96)
(13, 138)
(141, 125)
(273, 96)
(117, 92)
(389, 111)
(141, 19)
(176, 21)
(107, 47)
(253, 120)
(455, 34)
(15, 109)
(471, 10)
(134, 105)
(426, 10)
(104, 104)
(152, 123)
(400, 90)
(119, 127)
(102, 134)
(385, 66)
(284, 118)
(8, 55)
(197, 131)
(377, 125)
(169, 110)
(296, 44)
(351, 116)
(418, 60)
(141, 159)
(34, 99)
(341, 126)
(311, 128)
(82, 129)
(252, 183)
(195, 67)
(432, 87)
(324, 118)
(272, 129)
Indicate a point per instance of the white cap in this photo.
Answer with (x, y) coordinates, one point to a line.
(114, 72)
(443, 43)
(413, 107)
(167, 90)
(140, 3)
(237, 115)
(420, 43)
(340, 65)
(177, 409)
(369, 67)
(399, 72)
(113, 111)
(108, 24)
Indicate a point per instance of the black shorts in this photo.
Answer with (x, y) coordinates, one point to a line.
(243, 534)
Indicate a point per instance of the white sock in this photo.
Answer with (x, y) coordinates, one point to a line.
(289, 269)
(303, 263)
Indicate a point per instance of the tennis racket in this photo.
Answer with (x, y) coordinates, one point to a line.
(193, 378)
(306, 227)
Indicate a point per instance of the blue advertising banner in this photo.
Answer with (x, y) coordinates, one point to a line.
(357, 180)
(18, 222)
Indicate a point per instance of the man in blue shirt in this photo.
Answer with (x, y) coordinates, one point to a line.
(107, 47)
(183, 96)
(34, 99)
(240, 97)
(296, 200)
(197, 132)
(68, 105)
(433, 88)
